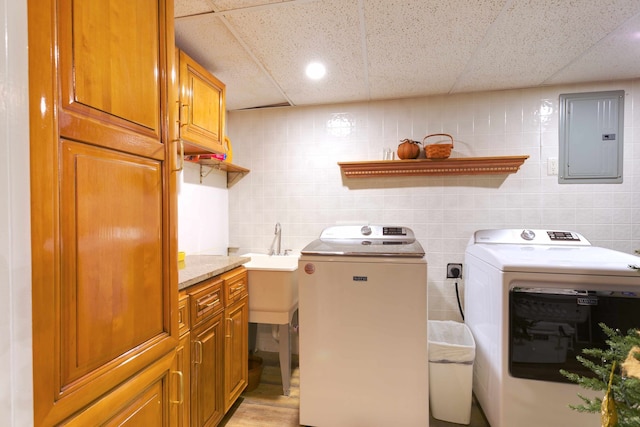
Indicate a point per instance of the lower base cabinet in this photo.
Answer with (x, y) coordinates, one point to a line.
(181, 410)
(140, 401)
(206, 371)
(215, 322)
(236, 351)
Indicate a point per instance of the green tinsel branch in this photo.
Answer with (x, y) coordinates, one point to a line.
(626, 390)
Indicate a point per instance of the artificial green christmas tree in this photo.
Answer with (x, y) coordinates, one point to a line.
(615, 376)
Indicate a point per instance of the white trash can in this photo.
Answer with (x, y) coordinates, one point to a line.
(452, 351)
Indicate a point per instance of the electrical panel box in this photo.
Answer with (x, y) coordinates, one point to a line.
(591, 139)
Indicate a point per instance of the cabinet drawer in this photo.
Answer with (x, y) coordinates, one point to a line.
(235, 285)
(206, 300)
(183, 314)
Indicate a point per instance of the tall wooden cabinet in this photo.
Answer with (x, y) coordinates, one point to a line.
(103, 114)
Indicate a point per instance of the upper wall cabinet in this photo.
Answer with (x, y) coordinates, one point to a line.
(202, 108)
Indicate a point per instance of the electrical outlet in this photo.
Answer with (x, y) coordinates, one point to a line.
(454, 271)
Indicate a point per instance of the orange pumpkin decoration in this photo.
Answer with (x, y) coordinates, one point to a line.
(408, 149)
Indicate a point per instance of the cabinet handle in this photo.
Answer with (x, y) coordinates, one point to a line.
(205, 303)
(215, 301)
(181, 142)
(230, 334)
(186, 121)
(198, 343)
(237, 289)
(180, 401)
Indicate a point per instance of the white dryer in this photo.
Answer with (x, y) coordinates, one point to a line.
(533, 301)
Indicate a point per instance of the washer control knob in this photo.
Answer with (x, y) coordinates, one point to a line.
(365, 230)
(528, 234)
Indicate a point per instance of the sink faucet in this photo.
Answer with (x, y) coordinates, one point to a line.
(277, 240)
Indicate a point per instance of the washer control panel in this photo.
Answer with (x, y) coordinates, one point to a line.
(530, 237)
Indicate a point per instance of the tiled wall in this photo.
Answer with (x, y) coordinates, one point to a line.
(294, 179)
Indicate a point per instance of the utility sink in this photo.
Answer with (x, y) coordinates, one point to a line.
(273, 298)
(273, 288)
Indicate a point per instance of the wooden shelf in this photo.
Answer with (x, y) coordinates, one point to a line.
(426, 167)
(234, 172)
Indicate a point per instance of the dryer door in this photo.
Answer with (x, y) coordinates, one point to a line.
(549, 327)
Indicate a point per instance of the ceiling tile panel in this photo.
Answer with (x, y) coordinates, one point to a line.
(534, 39)
(285, 39)
(421, 47)
(191, 7)
(225, 5)
(617, 55)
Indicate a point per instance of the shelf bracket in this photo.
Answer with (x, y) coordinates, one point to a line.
(211, 168)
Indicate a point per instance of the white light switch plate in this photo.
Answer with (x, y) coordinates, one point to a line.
(552, 166)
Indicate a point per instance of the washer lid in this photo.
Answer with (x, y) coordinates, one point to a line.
(558, 259)
(366, 240)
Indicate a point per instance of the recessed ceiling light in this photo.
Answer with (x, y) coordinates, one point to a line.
(316, 70)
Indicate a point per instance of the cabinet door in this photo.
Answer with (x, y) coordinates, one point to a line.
(202, 108)
(112, 78)
(112, 293)
(181, 405)
(236, 351)
(141, 401)
(206, 372)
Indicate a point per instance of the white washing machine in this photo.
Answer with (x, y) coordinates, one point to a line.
(533, 301)
(363, 329)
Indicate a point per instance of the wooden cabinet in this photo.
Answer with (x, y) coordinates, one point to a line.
(202, 113)
(219, 335)
(236, 346)
(144, 400)
(181, 410)
(202, 108)
(103, 192)
(207, 340)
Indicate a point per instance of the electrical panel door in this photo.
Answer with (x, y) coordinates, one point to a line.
(591, 126)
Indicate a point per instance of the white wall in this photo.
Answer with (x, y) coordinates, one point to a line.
(292, 154)
(203, 214)
(16, 391)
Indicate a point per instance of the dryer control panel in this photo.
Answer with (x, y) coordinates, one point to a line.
(563, 235)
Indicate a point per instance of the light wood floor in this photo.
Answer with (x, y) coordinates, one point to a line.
(267, 407)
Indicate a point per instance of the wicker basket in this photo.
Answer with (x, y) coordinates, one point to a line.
(255, 372)
(437, 150)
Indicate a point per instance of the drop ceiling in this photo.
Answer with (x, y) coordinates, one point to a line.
(386, 49)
